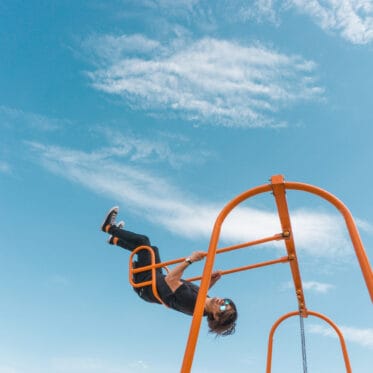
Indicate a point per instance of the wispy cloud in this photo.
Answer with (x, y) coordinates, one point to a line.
(160, 202)
(364, 225)
(160, 148)
(10, 369)
(318, 287)
(363, 337)
(111, 48)
(315, 286)
(11, 118)
(352, 19)
(95, 365)
(78, 364)
(58, 280)
(5, 167)
(211, 81)
(260, 11)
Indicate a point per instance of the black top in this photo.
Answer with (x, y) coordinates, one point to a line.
(183, 299)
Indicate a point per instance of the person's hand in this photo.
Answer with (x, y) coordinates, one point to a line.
(197, 256)
(215, 276)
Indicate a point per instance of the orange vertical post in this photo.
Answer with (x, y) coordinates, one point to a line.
(278, 187)
(205, 282)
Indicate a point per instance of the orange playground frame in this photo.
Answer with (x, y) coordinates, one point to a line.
(278, 187)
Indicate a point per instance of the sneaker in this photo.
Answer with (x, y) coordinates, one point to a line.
(110, 240)
(110, 218)
(121, 224)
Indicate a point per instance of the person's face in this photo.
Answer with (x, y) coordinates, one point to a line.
(220, 306)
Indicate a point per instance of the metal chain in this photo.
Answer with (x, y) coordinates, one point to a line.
(303, 342)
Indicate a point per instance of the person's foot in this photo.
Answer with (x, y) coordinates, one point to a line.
(110, 240)
(110, 218)
(121, 224)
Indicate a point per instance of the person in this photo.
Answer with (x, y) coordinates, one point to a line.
(175, 292)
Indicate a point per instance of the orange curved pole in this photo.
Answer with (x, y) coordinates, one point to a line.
(316, 314)
(351, 226)
(205, 283)
(278, 186)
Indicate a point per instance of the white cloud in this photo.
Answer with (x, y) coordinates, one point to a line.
(9, 369)
(59, 280)
(260, 11)
(212, 81)
(111, 48)
(363, 337)
(161, 203)
(159, 149)
(353, 19)
(78, 364)
(315, 286)
(94, 365)
(5, 167)
(364, 225)
(318, 287)
(14, 118)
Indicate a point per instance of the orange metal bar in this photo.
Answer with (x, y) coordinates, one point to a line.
(153, 281)
(276, 237)
(278, 187)
(152, 267)
(283, 259)
(205, 283)
(351, 226)
(319, 315)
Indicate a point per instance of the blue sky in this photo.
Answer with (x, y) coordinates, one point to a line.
(171, 109)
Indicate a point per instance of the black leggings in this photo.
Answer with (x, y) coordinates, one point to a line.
(130, 241)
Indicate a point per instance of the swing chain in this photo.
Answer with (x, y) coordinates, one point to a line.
(303, 341)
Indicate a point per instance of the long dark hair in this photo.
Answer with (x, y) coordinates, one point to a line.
(225, 323)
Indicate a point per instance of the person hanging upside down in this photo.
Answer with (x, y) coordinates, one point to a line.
(176, 293)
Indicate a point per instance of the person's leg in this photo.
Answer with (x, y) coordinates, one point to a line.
(128, 240)
(143, 256)
(143, 259)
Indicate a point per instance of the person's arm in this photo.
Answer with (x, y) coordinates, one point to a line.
(215, 276)
(174, 276)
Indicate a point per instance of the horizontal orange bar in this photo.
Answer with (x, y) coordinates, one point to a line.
(140, 284)
(283, 259)
(275, 237)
